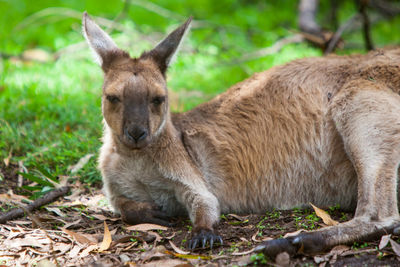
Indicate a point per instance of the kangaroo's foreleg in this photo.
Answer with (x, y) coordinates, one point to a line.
(192, 192)
(133, 212)
(132, 202)
(366, 115)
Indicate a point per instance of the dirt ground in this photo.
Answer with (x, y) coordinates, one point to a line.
(80, 230)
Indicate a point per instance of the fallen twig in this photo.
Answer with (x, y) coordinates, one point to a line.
(46, 199)
(366, 24)
(336, 37)
(275, 48)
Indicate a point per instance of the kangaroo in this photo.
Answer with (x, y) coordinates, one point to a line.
(323, 130)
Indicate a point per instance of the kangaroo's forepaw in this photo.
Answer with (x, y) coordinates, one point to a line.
(202, 237)
(134, 215)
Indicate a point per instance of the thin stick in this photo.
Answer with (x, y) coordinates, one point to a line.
(275, 48)
(46, 199)
(121, 14)
(336, 37)
(366, 25)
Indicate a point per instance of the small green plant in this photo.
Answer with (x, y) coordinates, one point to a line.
(357, 245)
(44, 179)
(7, 206)
(311, 221)
(234, 247)
(274, 214)
(258, 259)
(333, 208)
(239, 222)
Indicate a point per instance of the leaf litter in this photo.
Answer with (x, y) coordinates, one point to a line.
(81, 230)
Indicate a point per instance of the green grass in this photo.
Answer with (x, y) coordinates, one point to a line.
(50, 112)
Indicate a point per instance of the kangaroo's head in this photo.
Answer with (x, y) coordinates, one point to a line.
(135, 96)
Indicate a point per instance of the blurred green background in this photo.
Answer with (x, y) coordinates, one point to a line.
(50, 87)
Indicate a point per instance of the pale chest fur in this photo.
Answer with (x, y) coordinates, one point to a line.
(136, 177)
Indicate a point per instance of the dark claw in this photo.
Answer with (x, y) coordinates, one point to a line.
(220, 240)
(211, 242)
(202, 237)
(193, 244)
(204, 242)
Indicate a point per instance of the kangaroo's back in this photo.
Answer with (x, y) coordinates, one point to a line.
(274, 131)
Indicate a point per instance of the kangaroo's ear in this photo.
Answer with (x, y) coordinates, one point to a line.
(104, 48)
(165, 52)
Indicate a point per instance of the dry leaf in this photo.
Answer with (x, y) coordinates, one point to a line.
(22, 168)
(326, 218)
(124, 258)
(237, 217)
(339, 250)
(242, 252)
(80, 238)
(293, 233)
(395, 247)
(146, 227)
(44, 252)
(67, 225)
(56, 211)
(81, 163)
(21, 222)
(74, 251)
(104, 218)
(7, 160)
(106, 239)
(384, 241)
(321, 259)
(171, 236)
(62, 247)
(73, 196)
(157, 252)
(45, 263)
(254, 238)
(191, 257)
(99, 217)
(28, 241)
(178, 250)
(13, 197)
(166, 263)
(87, 250)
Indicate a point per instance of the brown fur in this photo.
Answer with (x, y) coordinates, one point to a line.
(320, 130)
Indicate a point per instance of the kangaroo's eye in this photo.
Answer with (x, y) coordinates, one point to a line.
(158, 100)
(113, 99)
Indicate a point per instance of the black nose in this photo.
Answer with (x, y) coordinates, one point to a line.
(136, 133)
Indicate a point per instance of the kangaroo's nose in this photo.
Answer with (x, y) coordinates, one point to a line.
(136, 133)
